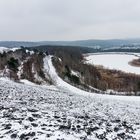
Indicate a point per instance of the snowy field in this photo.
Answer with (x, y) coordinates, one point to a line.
(114, 61)
(50, 113)
(63, 112)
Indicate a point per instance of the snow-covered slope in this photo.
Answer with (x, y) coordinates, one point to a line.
(65, 112)
(49, 113)
(49, 69)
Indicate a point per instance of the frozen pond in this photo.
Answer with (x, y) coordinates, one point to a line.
(114, 61)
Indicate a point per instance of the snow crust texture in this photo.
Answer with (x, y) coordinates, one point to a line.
(50, 113)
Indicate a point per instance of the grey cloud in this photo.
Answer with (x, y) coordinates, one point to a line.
(68, 19)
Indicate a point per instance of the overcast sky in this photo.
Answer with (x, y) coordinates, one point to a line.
(69, 19)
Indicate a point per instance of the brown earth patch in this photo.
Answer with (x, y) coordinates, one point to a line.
(135, 63)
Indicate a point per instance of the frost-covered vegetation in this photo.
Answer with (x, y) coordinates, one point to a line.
(93, 76)
(20, 64)
(25, 64)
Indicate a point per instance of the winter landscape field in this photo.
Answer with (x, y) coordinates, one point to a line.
(118, 61)
(61, 111)
(48, 107)
(69, 70)
(65, 112)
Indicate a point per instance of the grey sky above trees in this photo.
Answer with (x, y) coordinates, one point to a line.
(69, 19)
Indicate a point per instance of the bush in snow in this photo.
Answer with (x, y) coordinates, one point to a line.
(13, 64)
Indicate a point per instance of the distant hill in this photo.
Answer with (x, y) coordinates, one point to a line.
(82, 43)
(18, 44)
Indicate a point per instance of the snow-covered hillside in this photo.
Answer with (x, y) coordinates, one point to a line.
(65, 112)
(4, 49)
(114, 61)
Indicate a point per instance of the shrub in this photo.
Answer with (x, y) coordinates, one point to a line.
(67, 69)
(13, 64)
(67, 72)
(41, 74)
(138, 86)
(75, 79)
(41, 53)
